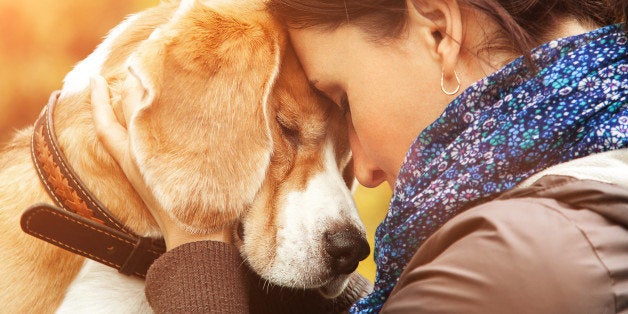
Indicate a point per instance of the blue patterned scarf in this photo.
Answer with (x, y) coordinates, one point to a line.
(500, 131)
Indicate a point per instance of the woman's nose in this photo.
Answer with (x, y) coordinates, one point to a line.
(367, 175)
(365, 171)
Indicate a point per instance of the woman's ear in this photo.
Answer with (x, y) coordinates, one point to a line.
(443, 21)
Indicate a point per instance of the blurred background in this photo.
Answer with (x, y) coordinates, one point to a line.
(41, 41)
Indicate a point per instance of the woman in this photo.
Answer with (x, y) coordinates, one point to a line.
(514, 195)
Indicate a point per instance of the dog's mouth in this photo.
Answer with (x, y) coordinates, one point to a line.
(240, 231)
(325, 267)
(238, 235)
(334, 287)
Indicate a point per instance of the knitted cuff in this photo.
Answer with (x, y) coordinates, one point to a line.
(205, 276)
(358, 288)
(266, 298)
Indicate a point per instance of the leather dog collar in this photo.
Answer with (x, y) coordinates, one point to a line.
(80, 223)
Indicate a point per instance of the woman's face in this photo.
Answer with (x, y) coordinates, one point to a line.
(392, 88)
(391, 91)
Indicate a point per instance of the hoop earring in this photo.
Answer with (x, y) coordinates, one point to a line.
(442, 84)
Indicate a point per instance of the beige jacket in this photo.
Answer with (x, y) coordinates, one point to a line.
(556, 244)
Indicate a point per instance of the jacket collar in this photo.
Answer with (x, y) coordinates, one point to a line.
(609, 167)
(598, 182)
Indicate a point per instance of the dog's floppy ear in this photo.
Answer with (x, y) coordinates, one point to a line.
(200, 133)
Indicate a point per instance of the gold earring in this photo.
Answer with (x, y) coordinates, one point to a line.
(442, 84)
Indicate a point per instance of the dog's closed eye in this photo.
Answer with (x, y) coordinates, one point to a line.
(290, 132)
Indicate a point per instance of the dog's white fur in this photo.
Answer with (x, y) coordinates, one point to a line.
(323, 193)
(228, 131)
(101, 289)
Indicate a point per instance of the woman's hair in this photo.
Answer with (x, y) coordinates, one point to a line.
(522, 23)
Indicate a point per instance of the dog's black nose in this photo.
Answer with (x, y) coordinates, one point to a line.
(346, 248)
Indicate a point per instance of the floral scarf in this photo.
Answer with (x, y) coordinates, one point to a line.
(500, 131)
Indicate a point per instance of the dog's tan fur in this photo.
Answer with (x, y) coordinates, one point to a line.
(196, 138)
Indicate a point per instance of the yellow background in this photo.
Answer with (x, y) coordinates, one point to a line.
(372, 205)
(42, 39)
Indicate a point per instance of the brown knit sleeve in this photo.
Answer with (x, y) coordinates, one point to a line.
(268, 298)
(198, 277)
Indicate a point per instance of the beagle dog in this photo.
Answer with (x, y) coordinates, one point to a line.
(228, 130)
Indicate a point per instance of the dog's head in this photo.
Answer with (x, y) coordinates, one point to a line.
(229, 131)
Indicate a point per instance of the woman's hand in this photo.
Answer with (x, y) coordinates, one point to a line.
(115, 139)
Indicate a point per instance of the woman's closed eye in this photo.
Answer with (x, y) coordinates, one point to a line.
(343, 102)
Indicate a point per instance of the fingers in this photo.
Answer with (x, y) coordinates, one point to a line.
(115, 139)
(110, 132)
(134, 95)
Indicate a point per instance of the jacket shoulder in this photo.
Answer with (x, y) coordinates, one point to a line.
(520, 254)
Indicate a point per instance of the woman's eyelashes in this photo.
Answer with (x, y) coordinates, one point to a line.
(343, 103)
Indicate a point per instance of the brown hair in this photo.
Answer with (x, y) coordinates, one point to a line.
(522, 22)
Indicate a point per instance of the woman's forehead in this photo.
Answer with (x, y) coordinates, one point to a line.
(326, 54)
(317, 52)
